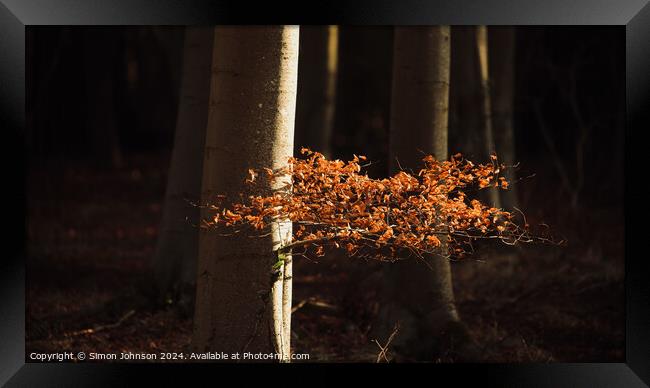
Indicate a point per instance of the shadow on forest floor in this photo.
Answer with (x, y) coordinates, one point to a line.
(91, 235)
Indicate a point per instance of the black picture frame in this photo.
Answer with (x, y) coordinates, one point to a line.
(16, 15)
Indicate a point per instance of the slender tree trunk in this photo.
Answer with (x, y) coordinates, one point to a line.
(317, 77)
(330, 87)
(420, 299)
(502, 74)
(175, 259)
(241, 303)
(490, 147)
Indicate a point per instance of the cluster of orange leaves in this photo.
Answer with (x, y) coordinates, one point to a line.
(331, 203)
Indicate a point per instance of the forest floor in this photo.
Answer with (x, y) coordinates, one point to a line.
(91, 235)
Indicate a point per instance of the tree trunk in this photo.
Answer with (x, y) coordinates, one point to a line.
(490, 147)
(175, 259)
(317, 77)
(502, 74)
(241, 303)
(420, 299)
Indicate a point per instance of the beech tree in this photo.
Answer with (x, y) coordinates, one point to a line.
(176, 253)
(240, 304)
(405, 216)
(253, 190)
(337, 205)
(421, 300)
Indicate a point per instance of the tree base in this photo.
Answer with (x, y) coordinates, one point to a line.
(453, 343)
(400, 336)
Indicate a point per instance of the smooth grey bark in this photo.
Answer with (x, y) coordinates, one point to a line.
(241, 304)
(317, 77)
(175, 259)
(419, 297)
(501, 41)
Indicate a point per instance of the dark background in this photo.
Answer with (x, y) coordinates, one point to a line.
(93, 217)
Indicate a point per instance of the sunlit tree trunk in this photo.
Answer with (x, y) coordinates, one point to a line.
(317, 77)
(502, 76)
(177, 249)
(242, 303)
(419, 295)
(490, 147)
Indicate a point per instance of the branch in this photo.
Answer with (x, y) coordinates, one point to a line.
(384, 349)
(98, 328)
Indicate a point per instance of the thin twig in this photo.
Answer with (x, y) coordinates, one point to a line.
(384, 349)
(102, 327)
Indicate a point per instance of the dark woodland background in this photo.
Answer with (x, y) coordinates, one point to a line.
(101, 109)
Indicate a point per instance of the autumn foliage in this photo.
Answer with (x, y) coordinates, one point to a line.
(333, 204)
